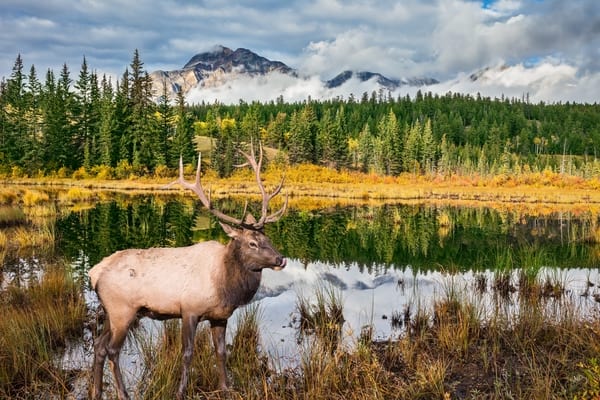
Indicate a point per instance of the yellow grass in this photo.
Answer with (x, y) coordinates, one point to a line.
(311, 187)
(34, 197)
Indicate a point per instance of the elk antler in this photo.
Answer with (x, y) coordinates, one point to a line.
(197, 188)
(264, 217)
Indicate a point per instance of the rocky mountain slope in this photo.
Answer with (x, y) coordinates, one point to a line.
(223, 65)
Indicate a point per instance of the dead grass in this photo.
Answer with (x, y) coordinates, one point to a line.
(538, 348)
(37, 322)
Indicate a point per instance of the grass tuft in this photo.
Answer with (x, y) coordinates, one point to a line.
(37, 322)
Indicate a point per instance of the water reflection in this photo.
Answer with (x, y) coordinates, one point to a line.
(384, 261)
(426, 238)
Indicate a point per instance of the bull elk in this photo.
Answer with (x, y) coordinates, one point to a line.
(205, 281)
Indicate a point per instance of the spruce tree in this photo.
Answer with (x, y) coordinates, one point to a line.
(106, 154)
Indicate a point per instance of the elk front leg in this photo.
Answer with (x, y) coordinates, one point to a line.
(188, 332)
(117, 338)
(218, 328)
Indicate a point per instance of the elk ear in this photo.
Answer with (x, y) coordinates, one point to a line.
(230, 230)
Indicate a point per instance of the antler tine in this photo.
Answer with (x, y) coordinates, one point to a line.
(199, 191)
(276, 215)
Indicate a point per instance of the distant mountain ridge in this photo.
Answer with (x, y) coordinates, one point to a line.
(223, 65)
(226, 59)
(385, 82)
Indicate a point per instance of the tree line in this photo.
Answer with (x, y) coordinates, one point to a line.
(90, 124)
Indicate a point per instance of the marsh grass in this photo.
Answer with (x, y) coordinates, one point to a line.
(322, 316)
(459, 347)
(37, 323)
(162, 359)
(10, 216)
(77, 194)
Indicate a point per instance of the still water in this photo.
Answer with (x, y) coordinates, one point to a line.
(381, 261)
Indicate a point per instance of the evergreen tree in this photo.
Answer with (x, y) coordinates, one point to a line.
(365, 149)
(66, 97)
(107, 111)
(83, 117)
(223, 158)
(143, 142)
(32, 150)
(182, 138)
(412, 150)
(301, 144)
(164, 129)
(15, 128)
(123, 117)
(277, 130)
(428, 148)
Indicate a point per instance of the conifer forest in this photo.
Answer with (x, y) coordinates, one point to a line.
(56, 124)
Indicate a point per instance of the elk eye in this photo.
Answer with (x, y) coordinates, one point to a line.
(253, 245)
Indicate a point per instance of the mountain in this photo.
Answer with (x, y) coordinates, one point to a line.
(214, 68)
(224, 67)
(391, 84)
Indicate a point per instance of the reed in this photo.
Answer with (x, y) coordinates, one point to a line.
(34, 197)
(455, 349)
(77, 194)
(322, 317)
(37, 323)
(10, 216)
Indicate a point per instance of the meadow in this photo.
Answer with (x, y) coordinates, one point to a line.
(532, 340)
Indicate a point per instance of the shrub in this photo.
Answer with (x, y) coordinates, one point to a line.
(81, 173)
(123, 170)
(103, 172)
(62, 172)
(162, 171)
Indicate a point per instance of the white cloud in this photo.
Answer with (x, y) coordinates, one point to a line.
(436, 38)
(548, 81)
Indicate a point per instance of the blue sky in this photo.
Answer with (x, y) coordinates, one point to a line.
(444, 39)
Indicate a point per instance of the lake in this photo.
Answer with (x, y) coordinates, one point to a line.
(382, 261)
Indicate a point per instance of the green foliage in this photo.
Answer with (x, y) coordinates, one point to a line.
(58, 123)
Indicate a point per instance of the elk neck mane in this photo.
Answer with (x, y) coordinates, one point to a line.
(239, 283)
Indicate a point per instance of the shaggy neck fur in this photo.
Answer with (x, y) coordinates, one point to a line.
(240, 281)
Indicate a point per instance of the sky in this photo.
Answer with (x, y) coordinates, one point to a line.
(549, 49)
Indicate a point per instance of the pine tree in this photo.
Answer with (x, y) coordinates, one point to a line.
(14, 129)
(107, 111)
(164, 131)
(123, 111)
(412, 149)
(223, 157)
(301, 144)
(365, 149)
(428, 148)
(82, 139)
(32, 151)
(277, 130)
(182, 137)
(66, 97)
(140, 95)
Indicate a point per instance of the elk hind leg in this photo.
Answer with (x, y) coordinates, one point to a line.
(100, 352)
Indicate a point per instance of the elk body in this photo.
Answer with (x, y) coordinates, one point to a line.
(205, 281)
